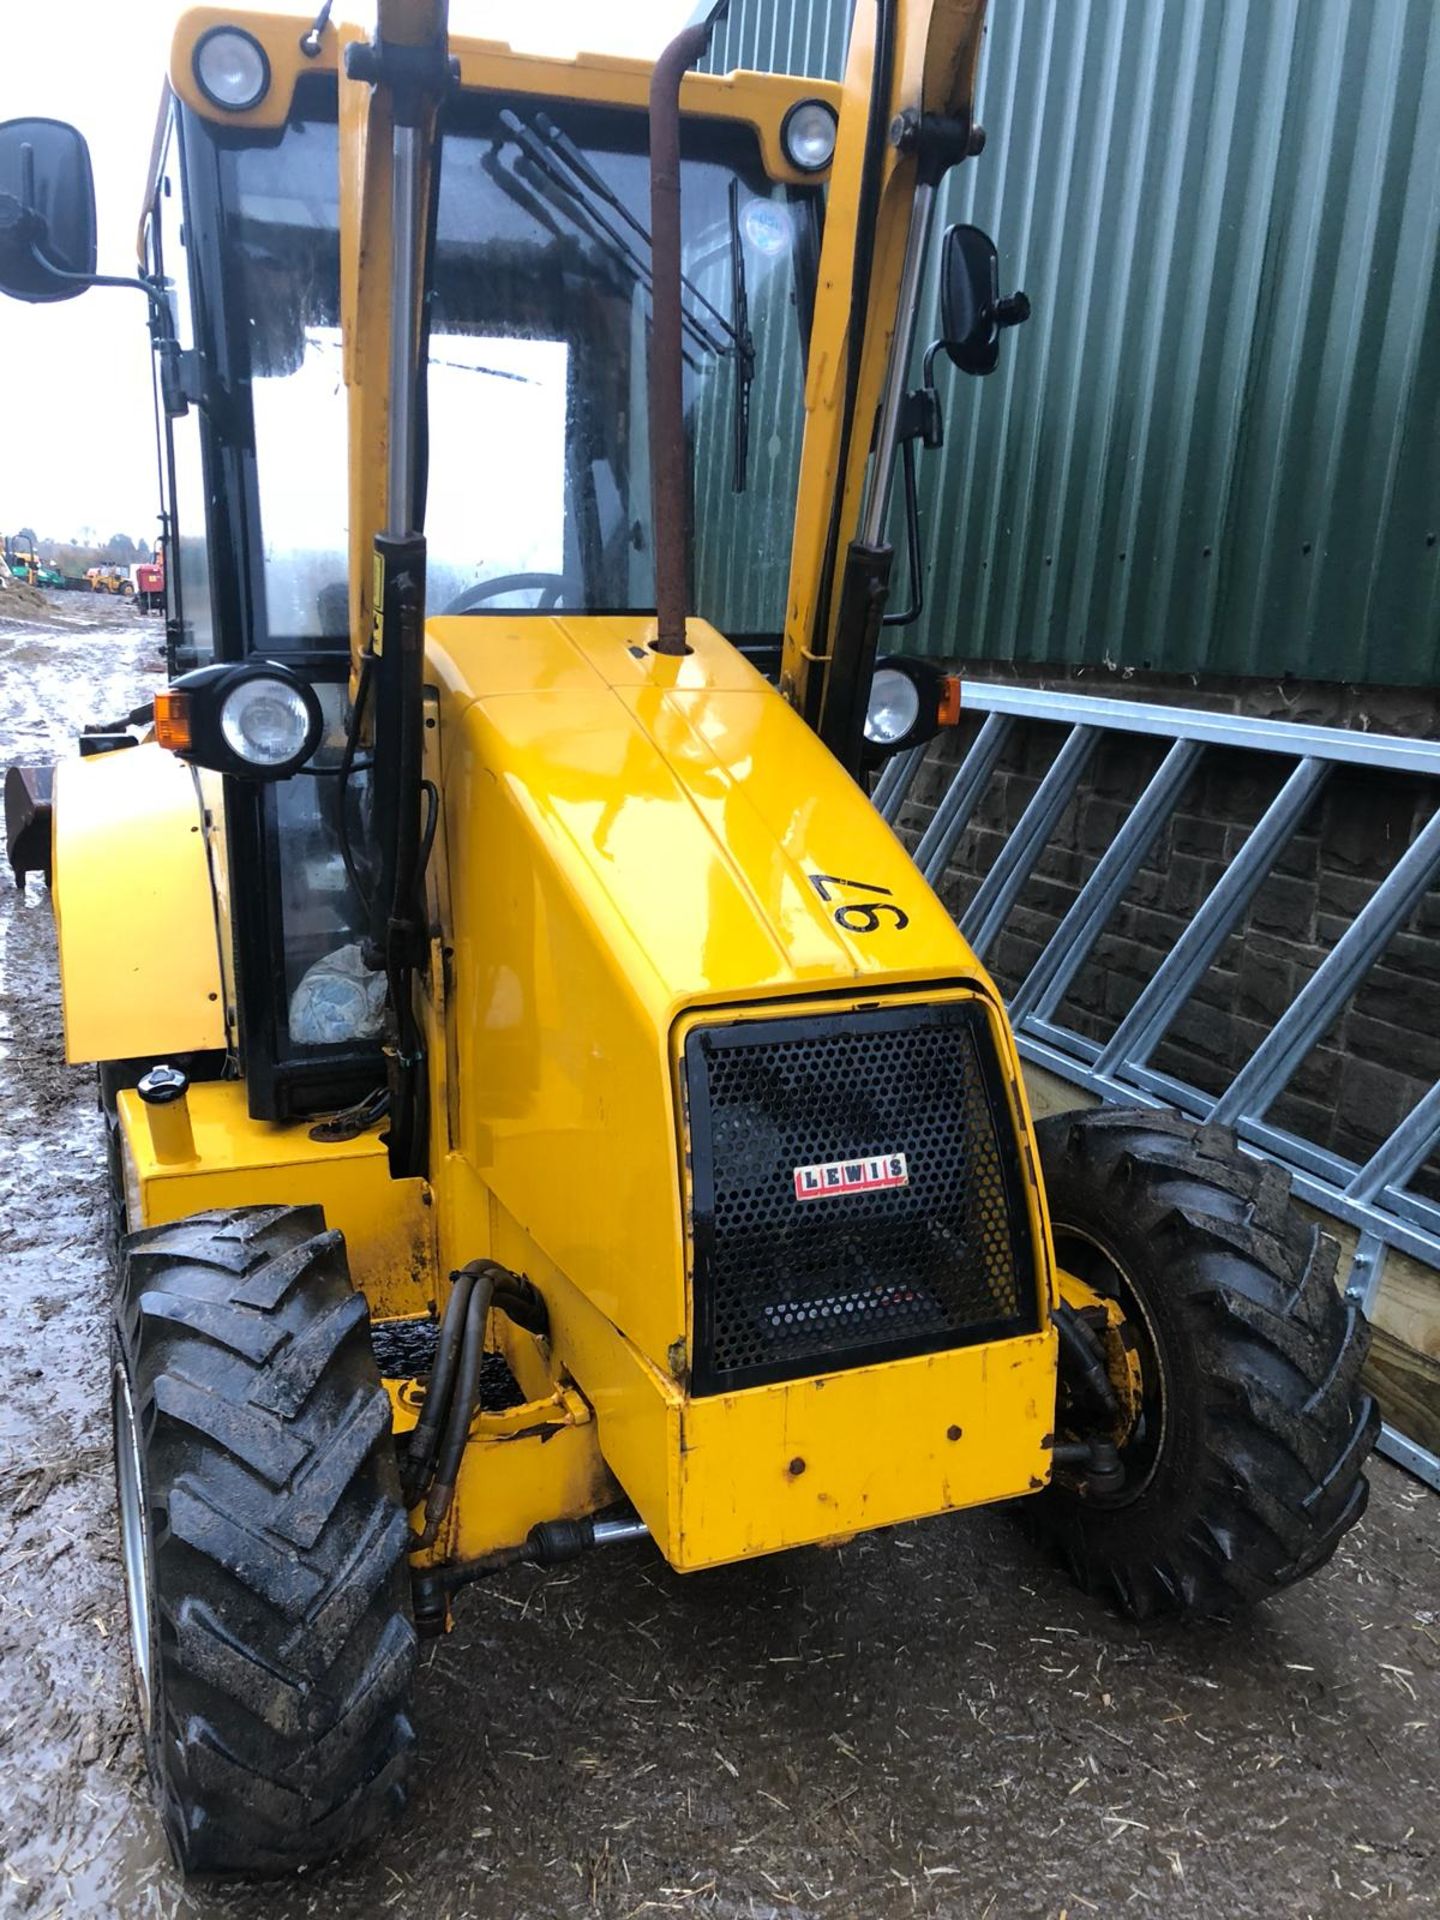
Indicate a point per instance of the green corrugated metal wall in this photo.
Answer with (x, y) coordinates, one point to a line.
(1216, 447)
(782, 36)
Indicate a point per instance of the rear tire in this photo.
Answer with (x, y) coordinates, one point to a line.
(1246, 1468)
(264, 1541)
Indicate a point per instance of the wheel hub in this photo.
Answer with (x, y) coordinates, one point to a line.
(1093, 1283)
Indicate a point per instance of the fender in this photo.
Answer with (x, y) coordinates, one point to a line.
(135, 909)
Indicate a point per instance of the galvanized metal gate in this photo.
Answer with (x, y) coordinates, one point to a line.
(1373, 1199)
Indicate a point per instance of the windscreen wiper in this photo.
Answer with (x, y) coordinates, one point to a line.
(560, 141)
(744, 345)
(537, 151)
(736, 329)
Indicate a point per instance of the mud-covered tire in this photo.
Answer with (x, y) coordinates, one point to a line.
(277, 1630)
(1255, 1468)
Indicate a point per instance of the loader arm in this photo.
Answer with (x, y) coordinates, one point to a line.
(390, 93)
(905, 117)
(380, 171)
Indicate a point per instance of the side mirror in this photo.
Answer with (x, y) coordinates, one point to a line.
(972, 312)
(47, 211)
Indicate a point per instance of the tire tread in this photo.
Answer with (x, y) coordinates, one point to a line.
(287, 1647)
(1281, 1424)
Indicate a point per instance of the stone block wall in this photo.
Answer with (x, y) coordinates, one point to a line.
(1380, 1056)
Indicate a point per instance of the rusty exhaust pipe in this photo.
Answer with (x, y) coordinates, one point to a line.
(669, 475)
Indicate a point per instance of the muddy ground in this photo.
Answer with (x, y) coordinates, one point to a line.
(927, 1722)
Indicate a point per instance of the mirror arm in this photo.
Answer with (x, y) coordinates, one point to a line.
(175, 390)
(915, 564)
(159, 309)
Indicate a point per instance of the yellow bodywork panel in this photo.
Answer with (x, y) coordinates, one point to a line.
(139, 958)
(521, 1465)
(239, 1162)
(685, 806)
(629, 837)
(736, 1474)
(631, 844)
(782, 1466)
(510, 1482)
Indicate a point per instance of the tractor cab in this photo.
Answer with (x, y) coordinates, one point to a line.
(533, 405)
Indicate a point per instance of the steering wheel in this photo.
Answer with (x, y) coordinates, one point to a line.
(550, 585)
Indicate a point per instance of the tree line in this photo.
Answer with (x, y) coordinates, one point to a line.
(85, 550)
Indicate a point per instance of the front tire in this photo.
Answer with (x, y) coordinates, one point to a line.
(263, 1539)
(1245, 1468)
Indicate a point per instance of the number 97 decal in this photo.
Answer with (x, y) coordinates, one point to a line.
(859, 916)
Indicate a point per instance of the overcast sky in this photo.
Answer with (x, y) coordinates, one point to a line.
(77, 436)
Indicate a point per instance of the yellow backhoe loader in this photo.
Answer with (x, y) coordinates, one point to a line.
(546, 1107)
(110, 579)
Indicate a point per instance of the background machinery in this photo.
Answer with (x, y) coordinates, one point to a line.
(111, 579)
(545, 1106)
(149, 581)
(23, 562)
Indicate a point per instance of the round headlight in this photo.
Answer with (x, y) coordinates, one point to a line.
(807, 134)
(268, 723)
(894, 707)
(231, 69)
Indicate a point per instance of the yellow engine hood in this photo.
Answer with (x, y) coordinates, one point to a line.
(627, 837)
(692, 811)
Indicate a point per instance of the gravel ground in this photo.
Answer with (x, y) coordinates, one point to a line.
(929, 1721)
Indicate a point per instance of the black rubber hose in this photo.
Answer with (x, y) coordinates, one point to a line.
(424, 1437)
(520, 1300)
(346, 768)
(463, 1403)
(1086, 1357)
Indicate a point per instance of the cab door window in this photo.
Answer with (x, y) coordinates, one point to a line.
(189, 603)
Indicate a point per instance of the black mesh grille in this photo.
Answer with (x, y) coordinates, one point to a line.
(786, 1286)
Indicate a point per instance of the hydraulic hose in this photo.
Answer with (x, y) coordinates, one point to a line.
(437, 1441)
(521, 1300)
(420, 1455)
(463, 1402)
(1080, 1347)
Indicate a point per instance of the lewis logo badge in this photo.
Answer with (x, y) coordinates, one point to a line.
(832, 1178)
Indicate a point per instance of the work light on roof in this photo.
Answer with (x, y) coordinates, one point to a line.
(231, 69)
(808, 135)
